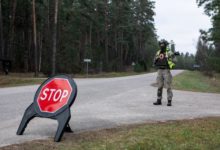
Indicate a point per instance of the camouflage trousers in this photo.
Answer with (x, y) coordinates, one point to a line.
(164, 77)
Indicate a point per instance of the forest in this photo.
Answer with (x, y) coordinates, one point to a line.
(208, 47)
(55, 36)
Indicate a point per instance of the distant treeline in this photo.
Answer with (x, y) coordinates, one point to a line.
(186, 61)
(55, 36)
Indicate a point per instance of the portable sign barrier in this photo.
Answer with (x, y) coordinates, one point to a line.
(53, 100)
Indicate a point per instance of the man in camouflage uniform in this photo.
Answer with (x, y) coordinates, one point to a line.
(163, 61)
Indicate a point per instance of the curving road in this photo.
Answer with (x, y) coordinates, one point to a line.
(103, 103)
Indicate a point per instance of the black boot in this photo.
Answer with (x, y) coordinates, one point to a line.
(169, 103)
(158, 102)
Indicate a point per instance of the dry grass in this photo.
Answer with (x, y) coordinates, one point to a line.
(19, 79)
(201, 134)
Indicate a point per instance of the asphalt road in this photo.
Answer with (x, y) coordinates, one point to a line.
(103, 103)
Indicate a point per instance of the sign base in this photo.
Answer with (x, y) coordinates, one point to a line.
(62, 118)
(52, 100)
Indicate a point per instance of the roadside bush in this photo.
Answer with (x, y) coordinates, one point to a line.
(140, 67)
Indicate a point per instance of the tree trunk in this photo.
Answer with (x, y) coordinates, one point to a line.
(140, 54)
(12, 30)
(1, 32)
(34, 39)
(121, 51)
(106, 34)
(126, 54)
(40, 52)
(54, 38)
(90, 36)
(82, 47)
(116, 42)
(46, 63)
(27, 37)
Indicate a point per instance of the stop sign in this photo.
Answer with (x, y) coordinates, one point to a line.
(53, 100)
(54, 95)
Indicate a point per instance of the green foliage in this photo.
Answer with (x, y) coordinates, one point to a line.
(202, 54)
(114, 33)
(140, 67)
(104, 31)
(214, 63)
(206, 56)
(212, 9)
(185, 61)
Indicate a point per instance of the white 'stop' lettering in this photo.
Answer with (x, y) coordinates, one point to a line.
(54, 94)
(44, 94)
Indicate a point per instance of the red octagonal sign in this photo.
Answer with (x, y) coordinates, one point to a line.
(54, 95)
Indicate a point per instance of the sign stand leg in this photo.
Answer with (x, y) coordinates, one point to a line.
(68, 129)
(28, 115)
(63, 120)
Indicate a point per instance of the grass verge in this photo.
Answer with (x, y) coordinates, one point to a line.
(20, 79)
(199, 134)
(111, 74)
(197, 82)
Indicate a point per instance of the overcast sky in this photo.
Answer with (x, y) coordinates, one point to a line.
(180, 21)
